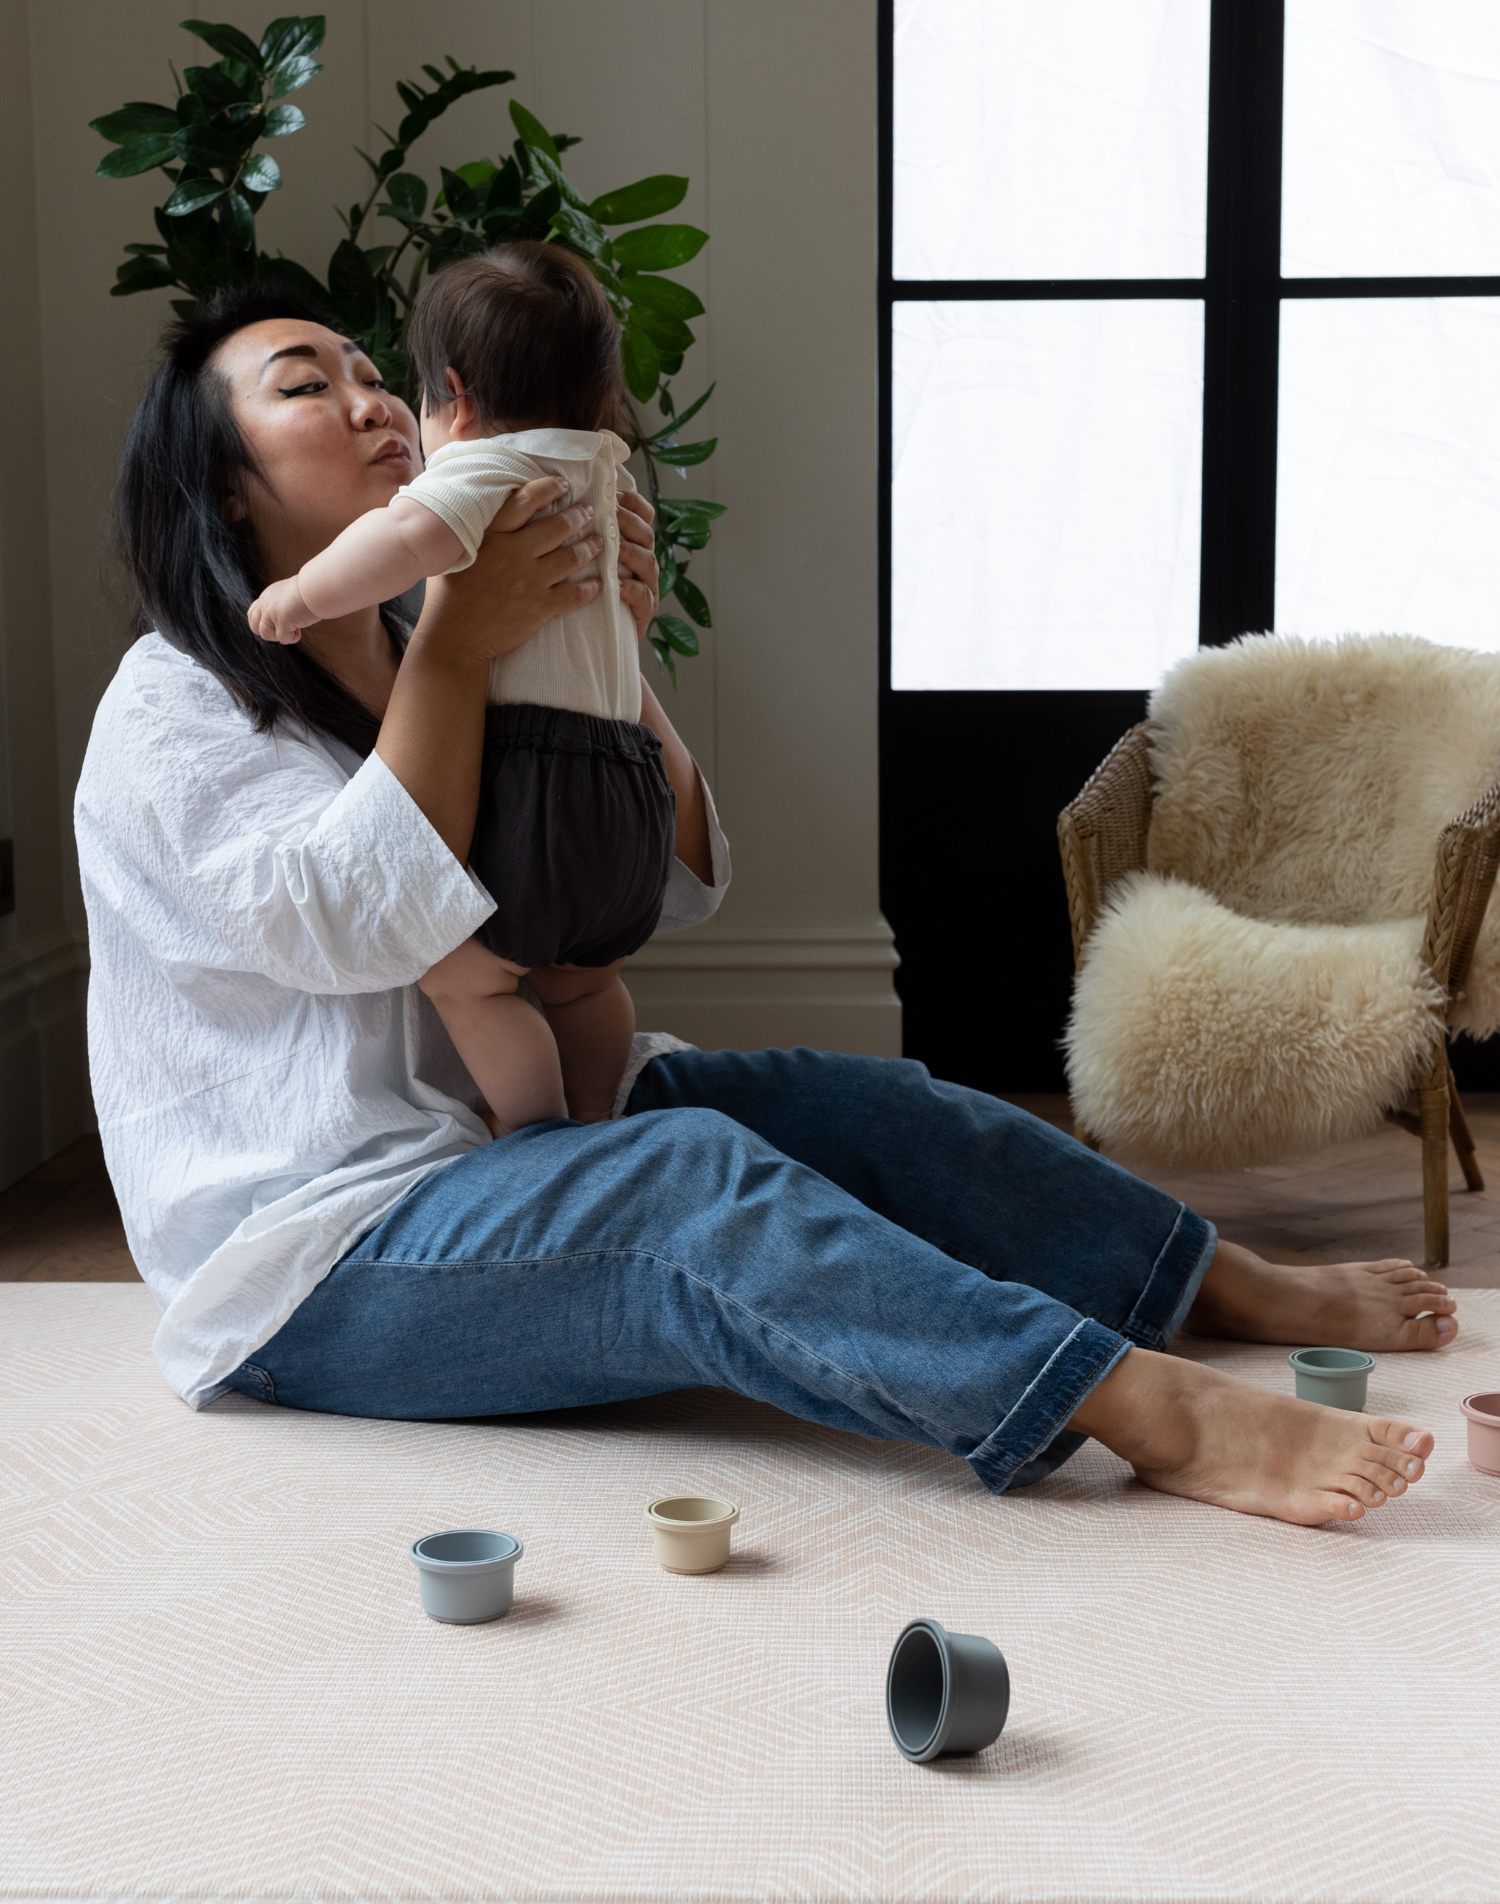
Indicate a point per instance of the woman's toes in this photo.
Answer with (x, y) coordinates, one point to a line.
(1428, 1331)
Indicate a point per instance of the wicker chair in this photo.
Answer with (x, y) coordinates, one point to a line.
(1103, 835)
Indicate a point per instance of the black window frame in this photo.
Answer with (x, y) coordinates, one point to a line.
(923, 890)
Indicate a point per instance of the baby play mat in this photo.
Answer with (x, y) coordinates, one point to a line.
(217, 1681)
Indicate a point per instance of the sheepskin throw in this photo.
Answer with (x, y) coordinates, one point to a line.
(1258, 991)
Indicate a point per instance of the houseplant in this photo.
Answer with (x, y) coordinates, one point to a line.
(210, 144)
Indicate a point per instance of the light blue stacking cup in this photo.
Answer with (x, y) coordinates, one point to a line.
(1338, 1378)
(468, 1575)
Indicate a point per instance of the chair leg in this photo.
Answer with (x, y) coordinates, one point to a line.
(1433, 1105)
(1463, 1143)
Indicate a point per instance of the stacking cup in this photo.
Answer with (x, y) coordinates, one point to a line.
(1483, 1413)
(467, 1576)
(944, 1692)
(1338, 1378)
(690, 1532)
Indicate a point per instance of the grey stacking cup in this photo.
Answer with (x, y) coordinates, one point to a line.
(468, 1575)
(1338, 1378)
(944, 1692)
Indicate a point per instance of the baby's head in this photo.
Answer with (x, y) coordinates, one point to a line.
(527, 334)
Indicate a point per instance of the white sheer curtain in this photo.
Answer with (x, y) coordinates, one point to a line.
(1046, 468)
(1046, 483)
(1388, 456)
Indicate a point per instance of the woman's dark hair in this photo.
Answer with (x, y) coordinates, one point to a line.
(530, 333)
(196, 572)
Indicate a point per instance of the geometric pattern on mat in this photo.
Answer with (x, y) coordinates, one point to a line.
(218, 1683)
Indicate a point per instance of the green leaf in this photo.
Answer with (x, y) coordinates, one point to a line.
(661, 294)
(663, 656)
(553, 174)
(477, 172)
(580, 229)
(218, 88)
(456, 194)
(408, 195)
(262, 174)
(292, 74)
(647, 198)
(541, 210)
(237, 221)
(285, 38)
(686, 416)
(281, 120)
(688, 532)
(227, 41)
(694, 601)
(641, 363)
(671, 362)
(136, 155)
(147, 251)
(297, 277)
(141, 274)
(532, 131)
(696, 504)
(192, 195)
(207, 145)
(658, 247)
(135, 121)
(669, 334)
(677, 632)
(423, 108)
(684, 455)
(352, 286)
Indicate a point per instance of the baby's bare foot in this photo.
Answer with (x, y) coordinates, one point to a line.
(1192, 1431)
(1372, 1306)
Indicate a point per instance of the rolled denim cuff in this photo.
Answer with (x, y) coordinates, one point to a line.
(1018, 1451)
(1175, 1278)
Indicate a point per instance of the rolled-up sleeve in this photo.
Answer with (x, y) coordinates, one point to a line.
(688, 901)
(296, 870)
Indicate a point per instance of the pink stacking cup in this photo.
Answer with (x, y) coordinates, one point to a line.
(1483, 1412)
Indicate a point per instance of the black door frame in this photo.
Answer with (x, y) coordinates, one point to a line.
(971, 782)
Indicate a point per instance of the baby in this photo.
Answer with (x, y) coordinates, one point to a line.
(518, 354)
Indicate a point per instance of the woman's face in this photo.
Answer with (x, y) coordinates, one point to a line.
(329, 439)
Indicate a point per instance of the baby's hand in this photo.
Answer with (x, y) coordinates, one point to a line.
(280, 614)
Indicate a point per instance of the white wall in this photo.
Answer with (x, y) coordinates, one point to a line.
(770, 109)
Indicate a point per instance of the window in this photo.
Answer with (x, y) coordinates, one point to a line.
(1188, 331)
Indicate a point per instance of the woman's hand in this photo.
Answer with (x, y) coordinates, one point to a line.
(637, 568)
(521, 579)
(432, 737)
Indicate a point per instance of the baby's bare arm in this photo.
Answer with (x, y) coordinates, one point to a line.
(381, 555)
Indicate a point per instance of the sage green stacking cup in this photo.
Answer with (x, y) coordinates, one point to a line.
(1338, 1378)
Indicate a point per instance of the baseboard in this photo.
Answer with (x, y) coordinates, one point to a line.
(44, 1072)
(825, 986)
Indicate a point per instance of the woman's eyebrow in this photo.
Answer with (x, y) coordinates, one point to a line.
(300, 350)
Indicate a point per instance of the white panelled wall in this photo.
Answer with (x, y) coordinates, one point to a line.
(770, 109)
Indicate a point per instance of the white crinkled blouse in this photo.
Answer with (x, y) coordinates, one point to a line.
(268, 1079)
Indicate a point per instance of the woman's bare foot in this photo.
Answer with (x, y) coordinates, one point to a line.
(1190, 1430)
(1389, 1305)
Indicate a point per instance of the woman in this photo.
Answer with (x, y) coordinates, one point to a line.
(273, 847)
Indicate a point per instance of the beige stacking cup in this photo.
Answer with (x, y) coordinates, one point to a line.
(690, 1532)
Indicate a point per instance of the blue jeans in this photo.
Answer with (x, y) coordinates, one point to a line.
(843, 1237)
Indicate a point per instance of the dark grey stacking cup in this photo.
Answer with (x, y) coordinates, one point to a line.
(945, 1692)
(468, 1575)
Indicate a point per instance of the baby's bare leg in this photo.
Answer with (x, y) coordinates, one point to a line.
(511, 1054)
(592, 1016)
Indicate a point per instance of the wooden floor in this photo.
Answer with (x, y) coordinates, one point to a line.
(1353, 1202)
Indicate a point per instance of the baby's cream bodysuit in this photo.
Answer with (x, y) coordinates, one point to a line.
(587, 659)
